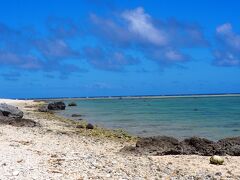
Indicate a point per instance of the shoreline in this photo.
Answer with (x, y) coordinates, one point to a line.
(53, 149)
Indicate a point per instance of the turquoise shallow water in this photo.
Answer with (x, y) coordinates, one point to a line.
(210, 117)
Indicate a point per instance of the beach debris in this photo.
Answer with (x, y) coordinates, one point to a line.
(89, 126)
(20, 160)
(218, 160)
(72, 104)
(57, 105)
(9, 112)
(53, 170)
(76, 115)
(25, 143)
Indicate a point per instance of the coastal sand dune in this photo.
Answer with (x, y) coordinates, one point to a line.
(51, 150)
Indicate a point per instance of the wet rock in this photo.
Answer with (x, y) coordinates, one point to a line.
(218, 160)
(57, 106)
(9, 112)
(72, 104)
(43, 109)
(76, 115)
(89, 126)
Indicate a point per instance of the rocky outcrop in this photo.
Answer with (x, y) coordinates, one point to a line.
(163, 145)
(9, 112)
(57, 106)
(159, 145)
(230, 146)
(72, 104)
(200, 146)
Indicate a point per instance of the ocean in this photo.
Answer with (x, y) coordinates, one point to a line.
(210, 117)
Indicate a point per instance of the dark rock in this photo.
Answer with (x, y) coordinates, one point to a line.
(230, 146)
(76, 115)
(8, 112)
(43, 109)
(89, 126)
(218, 174)
(72, 104)
(80, 126)
(162, 145)
(159, 145)
(57, 106)
(200, 146)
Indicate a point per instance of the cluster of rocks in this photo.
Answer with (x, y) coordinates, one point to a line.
(9, 112)
(88, 126)
(163, 145)
(61, 106)
(54, 106)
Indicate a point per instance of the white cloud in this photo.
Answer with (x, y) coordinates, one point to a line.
(224, 28)
(173, 55)
(140, 23)
(228, 52)
(155, 39)
(226, 59)
(228, 37)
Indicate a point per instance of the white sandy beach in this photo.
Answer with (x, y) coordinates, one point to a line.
(53, 151)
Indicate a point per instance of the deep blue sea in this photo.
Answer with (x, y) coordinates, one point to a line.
(210, 117)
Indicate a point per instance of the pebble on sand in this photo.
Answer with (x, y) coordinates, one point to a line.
(218, 160)
(15, 173)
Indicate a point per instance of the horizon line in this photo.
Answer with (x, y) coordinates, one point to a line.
(134, 96)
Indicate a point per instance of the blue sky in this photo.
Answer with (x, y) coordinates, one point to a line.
(67, 48)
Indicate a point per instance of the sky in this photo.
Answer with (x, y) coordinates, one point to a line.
(71, 48)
